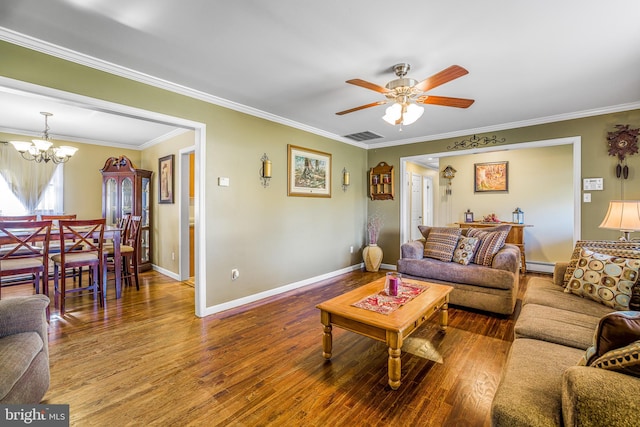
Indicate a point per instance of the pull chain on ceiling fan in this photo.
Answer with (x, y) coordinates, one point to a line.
(406, 93)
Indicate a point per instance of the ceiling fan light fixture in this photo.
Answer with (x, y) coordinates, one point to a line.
(392, 113)
(395, 116)
(413, 113)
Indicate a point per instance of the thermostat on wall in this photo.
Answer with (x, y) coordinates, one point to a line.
(591, 184)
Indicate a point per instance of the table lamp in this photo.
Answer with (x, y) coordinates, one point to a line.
(623, 215)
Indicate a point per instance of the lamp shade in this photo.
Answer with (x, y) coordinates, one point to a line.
(623, 215)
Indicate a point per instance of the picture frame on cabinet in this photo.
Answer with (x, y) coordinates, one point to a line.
(166, 174)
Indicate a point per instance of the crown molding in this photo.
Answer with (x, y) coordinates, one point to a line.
(99, 64)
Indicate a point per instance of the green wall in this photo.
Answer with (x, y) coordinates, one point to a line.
(274, 240)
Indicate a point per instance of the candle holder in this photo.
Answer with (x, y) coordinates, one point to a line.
(392, 283)
(265, 170)
(345, 179)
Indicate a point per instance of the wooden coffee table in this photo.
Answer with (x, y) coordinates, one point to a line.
(392, 328)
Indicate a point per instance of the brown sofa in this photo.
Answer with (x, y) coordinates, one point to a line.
(24, 350)
(491, 288)
(543, 384)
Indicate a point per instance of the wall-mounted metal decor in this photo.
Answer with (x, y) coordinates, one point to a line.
(475, 142)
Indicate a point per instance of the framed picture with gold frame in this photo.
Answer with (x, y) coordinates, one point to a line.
(165, 172)
(493, 176)
(308, 172)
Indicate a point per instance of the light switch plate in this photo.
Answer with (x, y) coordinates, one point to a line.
(586, 197)
(223, 181)
(591, 184)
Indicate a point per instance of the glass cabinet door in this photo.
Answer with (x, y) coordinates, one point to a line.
(145, 202)
(111, 201)
(127, 197)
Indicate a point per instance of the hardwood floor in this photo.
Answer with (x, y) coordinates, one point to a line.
(148, 360)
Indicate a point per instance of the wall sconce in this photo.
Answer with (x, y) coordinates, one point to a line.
(265, 170)
(346, 179)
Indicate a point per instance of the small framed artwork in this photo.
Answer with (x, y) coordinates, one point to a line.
(166, 168)
(468, 216)
(308, 172)
(492, 176)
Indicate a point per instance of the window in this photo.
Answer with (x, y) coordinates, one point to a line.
(51, 203)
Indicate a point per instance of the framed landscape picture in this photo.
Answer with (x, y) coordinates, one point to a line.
(492, 176)
(165, 171)
(308, 172)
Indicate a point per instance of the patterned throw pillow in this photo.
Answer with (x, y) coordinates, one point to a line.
(490, 243)
(621, 249)
(441, 242)
(625, 360)
(614, 330)
(465, 250)
(604, 278)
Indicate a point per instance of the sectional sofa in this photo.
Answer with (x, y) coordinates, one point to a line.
(574, 361)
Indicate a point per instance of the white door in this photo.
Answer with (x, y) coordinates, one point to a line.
(416, 206)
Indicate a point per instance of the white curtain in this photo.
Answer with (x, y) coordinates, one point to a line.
(27, 180)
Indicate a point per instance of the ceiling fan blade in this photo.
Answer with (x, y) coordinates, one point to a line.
(441, 78)
(362, 107)
(368, 85)
(445, 101)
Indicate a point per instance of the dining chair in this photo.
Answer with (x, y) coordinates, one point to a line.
(81, 245)
(128, 251)
(18, 217)
(21, 257)
(54, 246)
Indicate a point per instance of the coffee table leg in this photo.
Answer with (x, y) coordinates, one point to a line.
(444, 315)
(327, 344)
(395, 369)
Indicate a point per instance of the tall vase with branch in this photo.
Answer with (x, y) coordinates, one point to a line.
(372, 253)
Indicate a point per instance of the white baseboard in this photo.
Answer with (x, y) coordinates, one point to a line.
(161, 270)
(276, 291)
(540, 267)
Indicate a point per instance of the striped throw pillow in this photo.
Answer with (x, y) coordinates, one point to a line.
(441, 242)
(490, 243)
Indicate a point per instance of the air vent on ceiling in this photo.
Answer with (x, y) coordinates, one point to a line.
(363, 136)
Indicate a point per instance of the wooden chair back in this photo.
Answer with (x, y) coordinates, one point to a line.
(21, 254)
(78, 237)
(57, 218)
(19, 218)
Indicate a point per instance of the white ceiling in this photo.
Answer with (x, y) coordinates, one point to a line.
(529, 61)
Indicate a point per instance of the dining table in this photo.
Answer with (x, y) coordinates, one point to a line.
(111, 232)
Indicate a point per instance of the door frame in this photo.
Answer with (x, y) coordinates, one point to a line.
(574, 141)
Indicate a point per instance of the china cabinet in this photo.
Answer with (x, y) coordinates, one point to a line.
(126, 190)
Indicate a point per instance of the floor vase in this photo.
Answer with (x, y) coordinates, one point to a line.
(372, 255)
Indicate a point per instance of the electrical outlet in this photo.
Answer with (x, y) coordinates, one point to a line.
(350, 249)
(173, 256)
(235, 274)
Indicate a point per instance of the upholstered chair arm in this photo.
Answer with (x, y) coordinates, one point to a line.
(25, 314)
(558, 273)
(598, 397)
(413, 250)
(507, 258)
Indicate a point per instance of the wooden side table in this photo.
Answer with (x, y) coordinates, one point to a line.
(515, 236)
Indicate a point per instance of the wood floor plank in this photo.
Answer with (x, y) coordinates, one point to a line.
(146, 359)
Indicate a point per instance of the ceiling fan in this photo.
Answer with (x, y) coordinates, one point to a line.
(406, 93)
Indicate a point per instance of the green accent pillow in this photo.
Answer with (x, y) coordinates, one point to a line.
(606, 279)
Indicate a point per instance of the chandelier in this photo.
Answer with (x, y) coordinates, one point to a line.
(42, 150)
